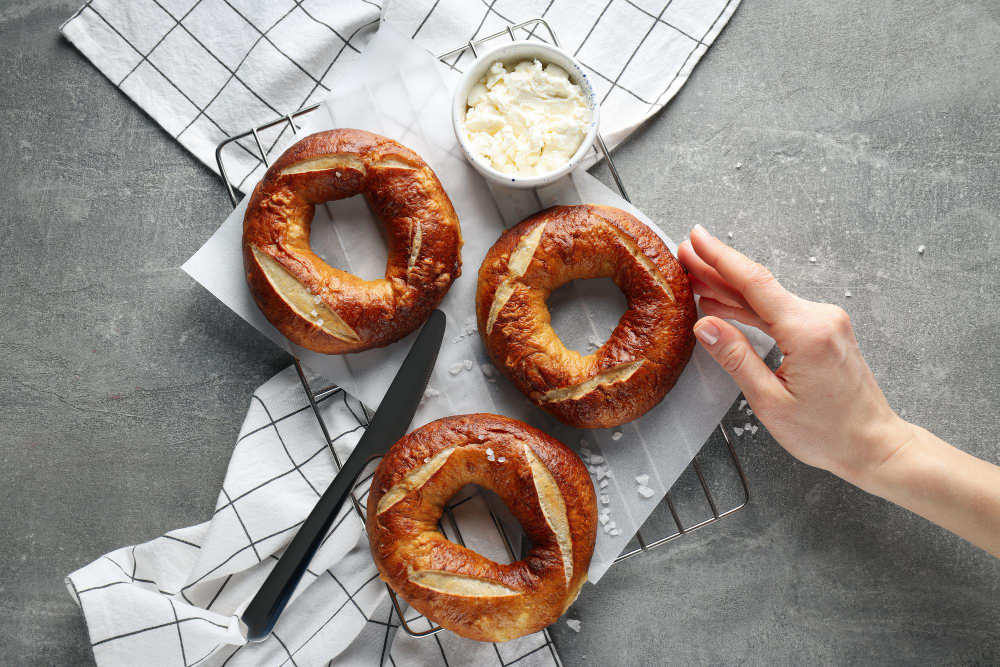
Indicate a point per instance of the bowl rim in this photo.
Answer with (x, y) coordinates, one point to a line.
(460, 106)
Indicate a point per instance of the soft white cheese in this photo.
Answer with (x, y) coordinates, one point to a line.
(528, 121)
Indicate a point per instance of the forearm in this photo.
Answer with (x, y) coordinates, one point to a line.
(941, 483)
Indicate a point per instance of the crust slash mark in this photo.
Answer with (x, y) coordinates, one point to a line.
(459, 584)
(605, 377)
(553, 506)
(518, 263)
(301, 299)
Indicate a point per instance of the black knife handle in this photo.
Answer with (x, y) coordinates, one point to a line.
(265, 608)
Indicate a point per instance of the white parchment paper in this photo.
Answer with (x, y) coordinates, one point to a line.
(399, 90)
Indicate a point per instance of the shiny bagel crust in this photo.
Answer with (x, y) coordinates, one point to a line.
(647, 351)
(323, 308)
(542, 482)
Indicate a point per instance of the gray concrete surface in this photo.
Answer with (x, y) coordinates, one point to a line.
(852, 131)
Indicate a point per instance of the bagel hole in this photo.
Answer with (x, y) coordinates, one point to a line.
(347, 234)
(467, 507)
(577, 304)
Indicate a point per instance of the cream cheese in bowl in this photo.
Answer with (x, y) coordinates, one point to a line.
(525, 114)
(526, 121)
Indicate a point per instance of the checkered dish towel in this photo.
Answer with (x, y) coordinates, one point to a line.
(208, 69)
(205, 69)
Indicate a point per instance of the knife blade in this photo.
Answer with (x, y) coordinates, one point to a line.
(389, 424)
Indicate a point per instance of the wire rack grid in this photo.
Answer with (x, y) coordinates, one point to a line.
(639, 543)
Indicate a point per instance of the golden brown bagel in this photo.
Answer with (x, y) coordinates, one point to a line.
(648, 349)
(542, 482)
(325, 309)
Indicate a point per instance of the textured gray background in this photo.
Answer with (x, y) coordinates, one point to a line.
(853, 131)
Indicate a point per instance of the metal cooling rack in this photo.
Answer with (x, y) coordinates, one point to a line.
(678, 499)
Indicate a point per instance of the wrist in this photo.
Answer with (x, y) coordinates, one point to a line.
(883, 449)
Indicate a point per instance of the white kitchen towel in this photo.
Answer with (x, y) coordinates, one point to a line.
(208, 69)
(173, 601)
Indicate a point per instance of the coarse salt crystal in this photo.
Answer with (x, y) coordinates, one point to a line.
(812, 259)
(430, 392)
(468, 364)
(616, 532)
(573, 623)
(921, 249)
(612, 524)
(603, 519)
(489, 451)
(427, 459)
(502, 459)
(456, 368)
(313, 312)
(617, 435)
(596, 459)
(738, 431)
(642, 479)
(645, 491)
(601, 474)
(730, 235)
(584, 450)
(605, 500)
(749, 411)
(847, 293)
(488, 370)
(319, 322)
(604, 483)
(316, 299)
(491, 458)
(607, 528)
(742, 403)
(746, 427)
(592, 469)
(753, 430)
(338, 174)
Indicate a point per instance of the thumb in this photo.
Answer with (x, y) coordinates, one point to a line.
(733, 351)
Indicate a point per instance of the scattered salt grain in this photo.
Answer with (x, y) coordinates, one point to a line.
(746, 427)
(313, 312)
(489, 451)
(739, 164)
(847, 293)
(596, 459)
(605, 500)
(642, 479)
(738, 431)
(749, 411)
(573, 623)
(753, 430)
(617, 435)
(468, 364)
(612, 524)
(604, 483)
(456, 368)
(491, 458)
(812, 259)
(603, 519)
(488, 370)
(645, 491)
(616, 532)
(316, 299)
(502, 459)
(319, 322)
(427, 459)
(742, 404)
(601, 473)
(921, 249)
(592, 469)
(607, 528)
(430, 392)
(730, 235)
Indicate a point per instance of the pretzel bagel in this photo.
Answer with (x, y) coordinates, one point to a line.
(323, 308)
(640, 362)
(542, 482)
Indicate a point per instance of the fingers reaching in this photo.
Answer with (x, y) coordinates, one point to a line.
(733, 351)
(763, 294)
(711, 306)
(707, 281)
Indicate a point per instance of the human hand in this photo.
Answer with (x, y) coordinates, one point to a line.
(823, 404)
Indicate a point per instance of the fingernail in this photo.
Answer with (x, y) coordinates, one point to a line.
(707, 333)
(698, 229)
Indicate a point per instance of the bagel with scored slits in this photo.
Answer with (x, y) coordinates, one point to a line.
(647, 351)
(321, 307)
(543, 483)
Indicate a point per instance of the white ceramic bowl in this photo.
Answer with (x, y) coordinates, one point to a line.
(511, 54)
